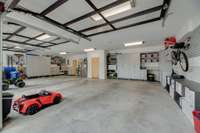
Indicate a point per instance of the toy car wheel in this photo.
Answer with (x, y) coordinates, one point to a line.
(5, 86)
(32, 110)
(20, 84)
(57, 100)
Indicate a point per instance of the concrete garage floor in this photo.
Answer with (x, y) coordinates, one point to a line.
(98, 106)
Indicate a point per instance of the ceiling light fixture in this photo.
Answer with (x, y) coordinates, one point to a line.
(89, 50)
(114, 11)
(63, 53)
(43, 37)
(17, 47)
(134, 43)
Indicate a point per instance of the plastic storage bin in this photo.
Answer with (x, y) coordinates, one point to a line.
(196, 116)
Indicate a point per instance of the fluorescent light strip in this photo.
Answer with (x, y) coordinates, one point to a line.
(43, 37)
(89, 50)
(113, 11)
(134, 43)
(17, 47)
(63, 53)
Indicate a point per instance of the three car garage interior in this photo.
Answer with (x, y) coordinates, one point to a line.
(100, 66)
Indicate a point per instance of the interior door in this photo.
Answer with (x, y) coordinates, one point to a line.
(74, 66)
(95, 68)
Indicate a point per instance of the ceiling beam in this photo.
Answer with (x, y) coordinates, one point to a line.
(11, 23)
(53, 22)
(13, 4)
(147, 11)
(53, 7)
(12, 50)
(57, 44)
(98, 12)
(52, 40)
(29, 38)
(127, 26)
(28, 44)
(17, 31)
(116, 3)
(34, 38)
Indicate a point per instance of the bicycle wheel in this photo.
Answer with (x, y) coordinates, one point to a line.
(174, 58)
(184, 62)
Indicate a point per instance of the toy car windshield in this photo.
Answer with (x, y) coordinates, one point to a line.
(42, 93)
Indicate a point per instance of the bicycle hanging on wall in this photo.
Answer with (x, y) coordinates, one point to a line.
(178, 56)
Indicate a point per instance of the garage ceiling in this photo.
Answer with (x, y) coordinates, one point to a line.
(75, 16)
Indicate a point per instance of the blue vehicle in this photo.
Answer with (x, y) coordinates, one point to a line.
(12, 76)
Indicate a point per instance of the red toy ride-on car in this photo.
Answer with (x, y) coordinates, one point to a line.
(31, 104)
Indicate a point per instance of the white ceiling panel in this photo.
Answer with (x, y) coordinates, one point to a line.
(70, 10)
(59, 41)
(137, 19)
(9, 28)
(34, 42)
(105, 28)
(19, 39)
(102, 3)
(85, 23)
(30, 32)
(36, 5)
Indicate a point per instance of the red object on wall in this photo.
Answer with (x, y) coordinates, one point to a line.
(2, 7)
(196, 116)
(170, 41)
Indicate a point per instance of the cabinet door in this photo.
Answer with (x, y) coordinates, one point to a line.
(187, 109)
(124, 66)
(179, 89)
(171, 92)
(190, 97)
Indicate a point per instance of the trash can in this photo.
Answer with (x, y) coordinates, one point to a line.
(7, 103)
(196, 116)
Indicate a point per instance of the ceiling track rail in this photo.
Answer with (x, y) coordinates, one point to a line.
(145, 12)
(98, 12)
(57, 44)
(17, 31)
(25, 51)
(22, 43)
(116, 3)
(51, 8)
(128, 26)
(53, 22)
(28, 38)
(34, 38)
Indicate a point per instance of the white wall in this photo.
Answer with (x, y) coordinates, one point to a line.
(38, 66)
(194, 58)
(165, 66)
(102, 68)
